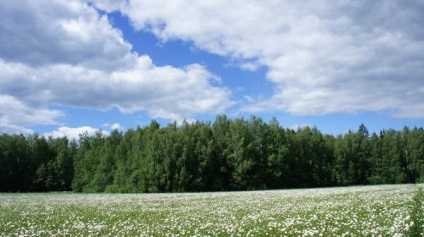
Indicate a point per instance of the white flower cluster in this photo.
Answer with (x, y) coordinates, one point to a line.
(351, 211)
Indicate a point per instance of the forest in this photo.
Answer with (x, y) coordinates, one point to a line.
(228, 154)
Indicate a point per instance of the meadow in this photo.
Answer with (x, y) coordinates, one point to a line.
(386, 210)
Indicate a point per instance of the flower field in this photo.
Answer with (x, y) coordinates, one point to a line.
(351, 211)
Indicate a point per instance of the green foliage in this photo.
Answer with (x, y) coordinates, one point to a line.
(228, 154)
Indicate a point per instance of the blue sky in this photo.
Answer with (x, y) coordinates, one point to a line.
(81, 65)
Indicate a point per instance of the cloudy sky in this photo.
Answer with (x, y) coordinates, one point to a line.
(70, 66)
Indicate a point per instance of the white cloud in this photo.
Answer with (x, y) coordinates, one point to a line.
(322, 56)
(165, 92)
(62, 33)
(15, 129)
(115, 126)
(67, 54)
(15, 116)
(74, 133)
(108, 5)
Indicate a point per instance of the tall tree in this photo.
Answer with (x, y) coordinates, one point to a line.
(277, 155)
(228, 154)
(414, 154)
(15, 164)
(375, 161)
(107, 161)
(220, 133)
(362, 154)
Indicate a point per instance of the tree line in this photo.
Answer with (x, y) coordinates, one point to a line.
(228, 154)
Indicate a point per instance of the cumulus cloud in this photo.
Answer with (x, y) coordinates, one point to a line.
(68, 32)
(115, 126)
(15, 115)
(68, 54)
(74, 133)
(322, 56)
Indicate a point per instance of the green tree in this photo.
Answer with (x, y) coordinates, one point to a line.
(86, 161)
(16, 172)
(237, 158)
(56, 172)
(375, 161)
(344, 152)
(392, 157)
(277, 155)
(103, 176)
(361, 155)
(413, 154)
(220, 133)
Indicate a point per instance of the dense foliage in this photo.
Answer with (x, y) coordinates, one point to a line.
(228, 154)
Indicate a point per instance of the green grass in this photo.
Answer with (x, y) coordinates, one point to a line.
(387, 210)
